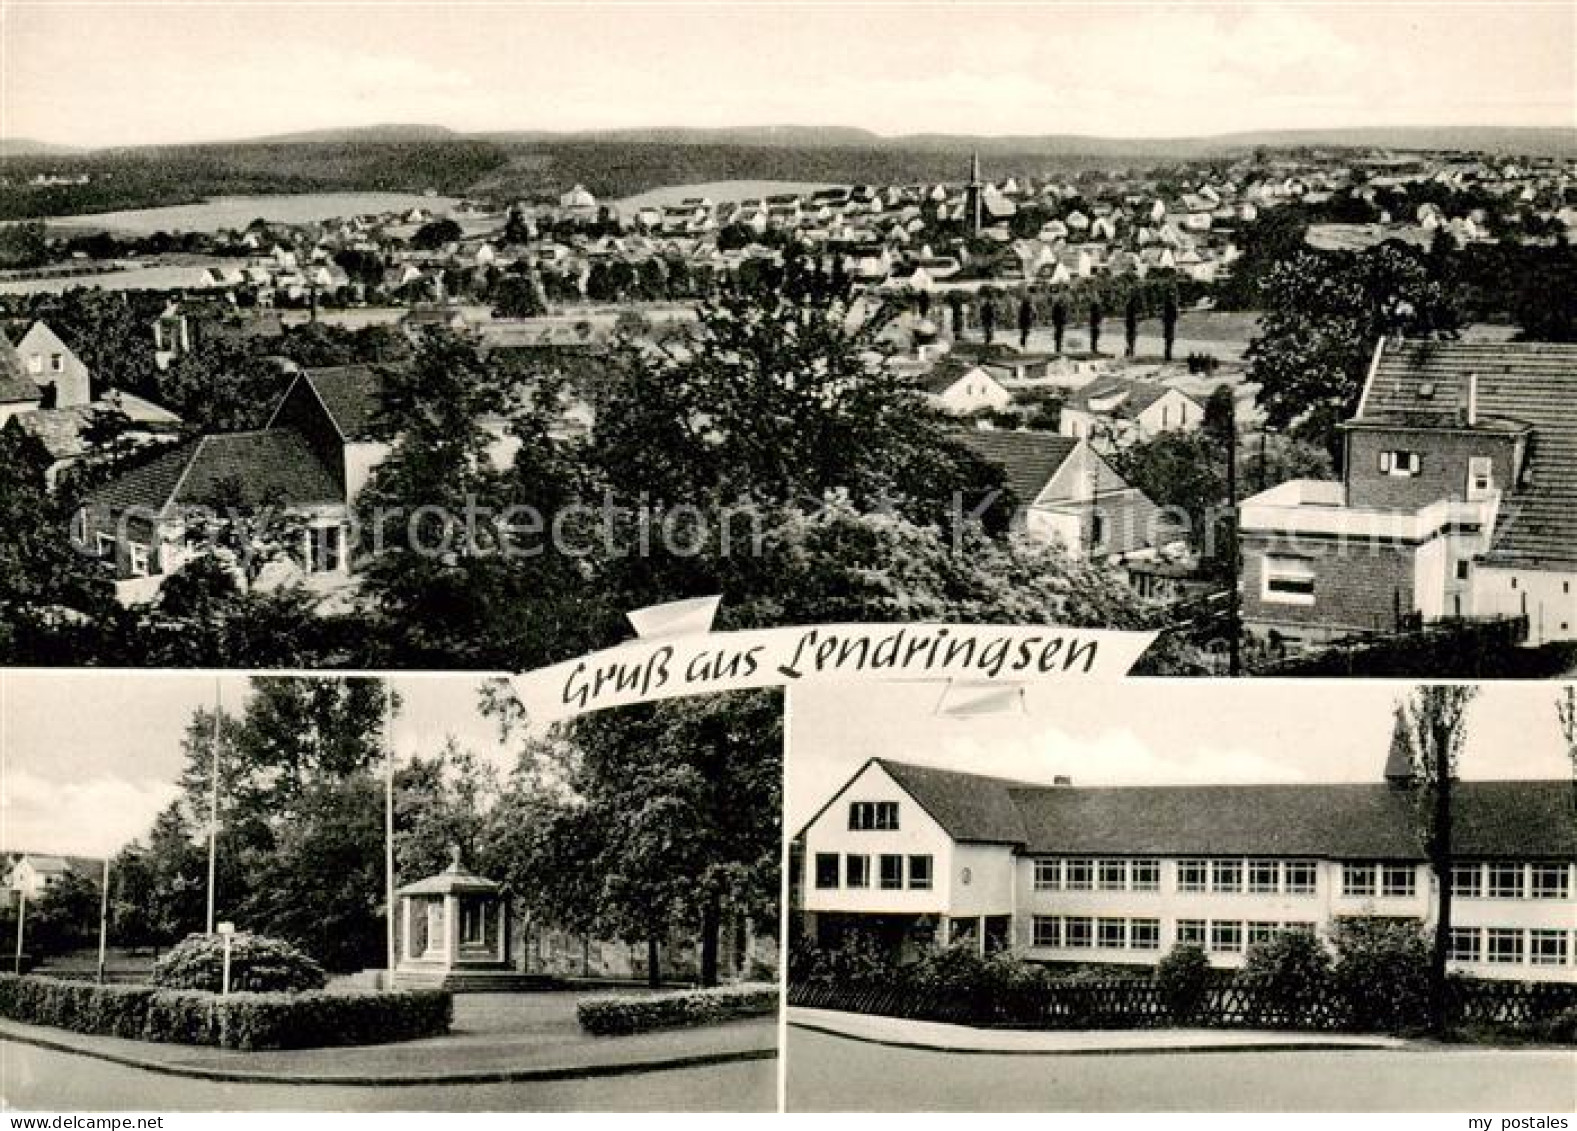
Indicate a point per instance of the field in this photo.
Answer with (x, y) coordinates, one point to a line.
(719, 191)
(237, 212)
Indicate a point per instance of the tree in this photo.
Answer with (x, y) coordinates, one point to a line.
(1026, 320)
(518, 296)
(23, 245)
(222, 386)
(1432, 725)
(1096, 315)
(1169, 324)
(1322, 320)
(1566, 716)
(1059, 320)
(1545, 299)
(435, 234)
(1131, 325)
(988, 320)
(65, 916)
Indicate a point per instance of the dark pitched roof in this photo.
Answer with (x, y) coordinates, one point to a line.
(1140, 394)
(946, 373)
(1529, 384)
(1340, 821)
(1344, 821)
(271, 466)
(15, 385)
(1028, 459)
(352, 394)
(970, 807)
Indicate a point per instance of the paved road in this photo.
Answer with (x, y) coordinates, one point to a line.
(37, 1079)
(828, 1073)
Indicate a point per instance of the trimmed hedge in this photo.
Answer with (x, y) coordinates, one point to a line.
(245, 1021)
(616, 1015)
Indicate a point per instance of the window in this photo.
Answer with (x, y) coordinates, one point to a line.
(1298, 926)
(1076, 933)
(1400, 463)
(891, 875)
(1226, 937)
(1191, 931)
(1144, 934)
(1546, 947)
(1145, 875)
(1048, 875)
(1550, 881)
(1465, 945)
(920, 873)
(473, 923)
(1358, 879)
(1505, 881)
(1398, 881)
(1287, 580)
(1078, 875)
(1226, 876)
(1263, 876)
(323, 549)
(1191, 875)
(1463, 568)
(1113, 875)
(56, 363)
(1467, 881)
(1480, 476)
(35, 362)
(1300, 877)
(137, 559)
(1261, 932)
(1505, 945)
(1112, 933)
(1048, 930)
(868, 816)
(826, 869)
(857, 871)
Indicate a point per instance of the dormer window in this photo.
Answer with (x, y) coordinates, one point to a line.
(1399, 463)
(873, 816)
(1426, 391)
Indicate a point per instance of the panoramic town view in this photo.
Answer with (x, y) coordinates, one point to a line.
(668, 556)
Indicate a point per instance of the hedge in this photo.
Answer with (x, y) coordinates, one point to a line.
(241, 1021)
(612, 1015)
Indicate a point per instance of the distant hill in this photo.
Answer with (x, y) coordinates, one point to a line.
(27, 147)
(381, 134)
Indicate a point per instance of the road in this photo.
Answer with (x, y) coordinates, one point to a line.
(828, 1073)
(36, 1079)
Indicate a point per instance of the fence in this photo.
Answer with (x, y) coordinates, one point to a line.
(1460, 648)
(1137, 1004)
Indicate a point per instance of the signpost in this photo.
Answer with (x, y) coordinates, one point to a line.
(21, 918)
(227, 933)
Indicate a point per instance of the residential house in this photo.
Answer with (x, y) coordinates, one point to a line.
(1115, 411)
(916, 857)
(64, 437)
(18, 392)
(1459, 499)
(32, 874)
(54, 368)
(1069, 495)
(960, 387)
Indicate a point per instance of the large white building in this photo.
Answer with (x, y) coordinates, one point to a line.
(916, 856)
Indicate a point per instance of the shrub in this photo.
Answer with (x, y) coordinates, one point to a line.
(619, 1014)
(257, 965)
(1291, 975)
(857, 960)
(240, 1021)
(1183, 976)
(1562, 1027)
(1388, 953)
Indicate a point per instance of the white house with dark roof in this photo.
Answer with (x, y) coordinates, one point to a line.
(1067, 493)
(915, 856)
(1459, 499)
(1121, 410)
(961, 387)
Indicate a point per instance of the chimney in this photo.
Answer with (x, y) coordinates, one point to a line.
(1472, 399)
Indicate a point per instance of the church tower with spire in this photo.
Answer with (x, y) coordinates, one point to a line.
(974, 195)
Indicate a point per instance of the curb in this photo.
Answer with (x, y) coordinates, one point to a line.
(1121, 1050)
(499, 1076)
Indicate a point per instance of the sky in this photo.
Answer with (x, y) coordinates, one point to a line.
(88, 758)
(133, 72)
(1152, 732)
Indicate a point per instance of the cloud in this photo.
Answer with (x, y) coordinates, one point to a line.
(93, 817)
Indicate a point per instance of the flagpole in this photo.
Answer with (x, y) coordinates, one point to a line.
(213, 812)
(388, 829)
(104, 919)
